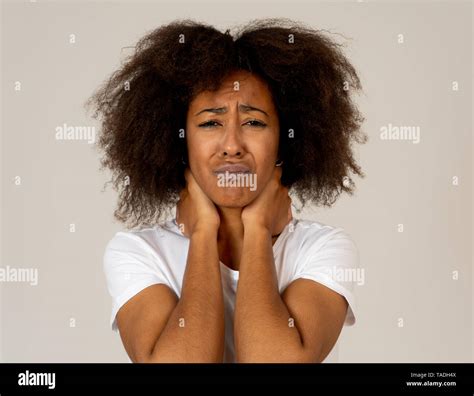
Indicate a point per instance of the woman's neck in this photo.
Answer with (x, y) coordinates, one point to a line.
(230, 236)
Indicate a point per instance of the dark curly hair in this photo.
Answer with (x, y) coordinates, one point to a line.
(143, 105)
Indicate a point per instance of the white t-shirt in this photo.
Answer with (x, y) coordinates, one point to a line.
(136, 259)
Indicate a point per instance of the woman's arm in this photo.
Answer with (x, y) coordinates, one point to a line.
(157, 327)
(302, 325)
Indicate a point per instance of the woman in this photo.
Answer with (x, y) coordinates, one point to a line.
(221, 127)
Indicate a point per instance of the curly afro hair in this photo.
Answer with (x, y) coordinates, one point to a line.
(143, 105)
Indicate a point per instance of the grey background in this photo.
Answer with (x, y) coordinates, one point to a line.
(407, 275)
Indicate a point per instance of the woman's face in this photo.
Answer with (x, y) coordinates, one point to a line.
(234, 126)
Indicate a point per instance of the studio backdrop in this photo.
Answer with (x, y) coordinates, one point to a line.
(411, 216)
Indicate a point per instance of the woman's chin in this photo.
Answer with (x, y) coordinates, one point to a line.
(233, 197)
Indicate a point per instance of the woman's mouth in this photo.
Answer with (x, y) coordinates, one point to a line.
(232, 168)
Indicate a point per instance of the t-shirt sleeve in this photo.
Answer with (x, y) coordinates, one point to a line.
(129, 266)
(333, 261)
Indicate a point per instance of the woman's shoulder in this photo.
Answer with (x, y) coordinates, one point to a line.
(312, 236)
(148, 236)
(312, 229)
(328, 255)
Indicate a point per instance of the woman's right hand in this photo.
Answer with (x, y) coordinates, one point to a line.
(194, 210)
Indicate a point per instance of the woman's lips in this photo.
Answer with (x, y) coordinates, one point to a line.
(232, 168)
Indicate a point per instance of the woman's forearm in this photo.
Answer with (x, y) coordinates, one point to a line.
(195, 329)
(263, 328)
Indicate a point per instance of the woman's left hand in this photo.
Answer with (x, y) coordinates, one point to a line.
(272, 208)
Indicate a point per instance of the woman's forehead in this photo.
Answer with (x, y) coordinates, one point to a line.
(242, 86)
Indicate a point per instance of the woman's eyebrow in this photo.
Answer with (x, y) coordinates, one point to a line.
(242, 107)
(246, 108)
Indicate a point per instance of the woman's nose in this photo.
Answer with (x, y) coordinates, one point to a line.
(232, 145)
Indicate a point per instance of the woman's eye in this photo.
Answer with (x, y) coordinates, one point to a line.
(208, 124)
(256, 123)
(211, 124)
